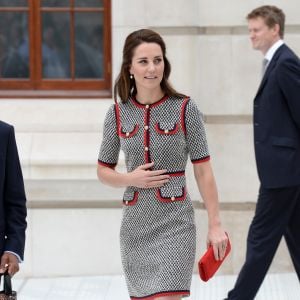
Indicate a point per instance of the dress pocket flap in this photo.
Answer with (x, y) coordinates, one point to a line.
(174, 190)
(129, 130)
(166, 127)
(130, 197)
(171, 195)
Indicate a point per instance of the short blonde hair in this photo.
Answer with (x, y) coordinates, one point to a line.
(272, 15)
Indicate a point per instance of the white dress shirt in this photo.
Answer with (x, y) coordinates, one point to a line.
(270, 53)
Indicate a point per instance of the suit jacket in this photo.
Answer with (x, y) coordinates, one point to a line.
(12, 195)
(276, 121)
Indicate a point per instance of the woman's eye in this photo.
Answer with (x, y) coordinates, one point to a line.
(143, 61)
(157, 61)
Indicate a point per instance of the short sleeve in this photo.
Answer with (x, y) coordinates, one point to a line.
(110, 146)
(195, 133)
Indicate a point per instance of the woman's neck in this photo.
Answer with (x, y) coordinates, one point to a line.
(149, 97)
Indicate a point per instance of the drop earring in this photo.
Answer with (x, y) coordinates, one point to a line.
(131, 76)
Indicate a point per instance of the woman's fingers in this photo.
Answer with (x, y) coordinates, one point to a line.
(158, 177)
(157, 181)
(147, 178)
(154, 184)
(157, 173)
(146, 166)
(219, 248)
(222, 250)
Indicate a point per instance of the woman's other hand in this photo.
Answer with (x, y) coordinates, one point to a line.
(218, 238)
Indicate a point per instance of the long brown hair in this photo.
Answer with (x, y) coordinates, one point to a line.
(124, 85)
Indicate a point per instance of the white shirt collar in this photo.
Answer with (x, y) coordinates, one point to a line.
(270, 53)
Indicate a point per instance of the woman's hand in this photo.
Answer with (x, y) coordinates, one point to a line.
(142, 177)
(218, 238)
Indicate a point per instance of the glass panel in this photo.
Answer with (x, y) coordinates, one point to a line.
(88, 3)
(88, 45)
(13, 3)
(14, 47)
(55, 3)
(56, 45)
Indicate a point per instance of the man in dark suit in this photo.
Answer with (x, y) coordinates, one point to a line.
(276, 123)
(12, 203)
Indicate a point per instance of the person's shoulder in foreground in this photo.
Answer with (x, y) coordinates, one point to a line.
(13, 202)
(4, 126)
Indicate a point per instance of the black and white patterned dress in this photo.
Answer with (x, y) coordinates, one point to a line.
(157, 233)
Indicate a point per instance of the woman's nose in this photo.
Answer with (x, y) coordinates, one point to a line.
(151, 66)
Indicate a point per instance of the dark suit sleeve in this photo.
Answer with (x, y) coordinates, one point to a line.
(14, 200)
(289, 82)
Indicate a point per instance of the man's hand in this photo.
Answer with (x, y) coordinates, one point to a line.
(9, 261)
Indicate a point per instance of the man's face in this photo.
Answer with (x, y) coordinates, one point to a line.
(262, 37)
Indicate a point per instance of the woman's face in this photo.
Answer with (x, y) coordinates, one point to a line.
(147, 66)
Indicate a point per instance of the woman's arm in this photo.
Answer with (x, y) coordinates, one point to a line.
(208, 190)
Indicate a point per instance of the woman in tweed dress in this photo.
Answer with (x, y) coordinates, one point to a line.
(157, 128)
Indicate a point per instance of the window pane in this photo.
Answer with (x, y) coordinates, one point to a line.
(14, 49)
(88, 45)
(56, 45)
(89, 3)
(55, 3)
(13, 3)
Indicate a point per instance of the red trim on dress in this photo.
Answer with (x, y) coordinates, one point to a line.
(118, 120)
(129, 134)
(183, 108)
(161, 294)
(166, 131)
(178, 173)
(201, 160)
(163, 99)
(169, 199)
(108, 165)
(136, 103)
(147, 135)
(147, 108)
(133, 201)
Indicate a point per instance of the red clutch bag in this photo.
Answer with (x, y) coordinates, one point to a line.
(207, 264)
